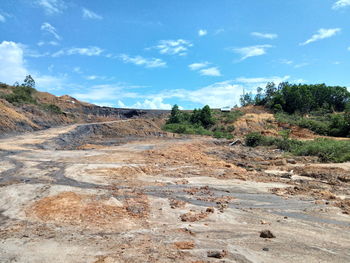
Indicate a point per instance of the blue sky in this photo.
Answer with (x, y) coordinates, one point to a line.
(153, 54)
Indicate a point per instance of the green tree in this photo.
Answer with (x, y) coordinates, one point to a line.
(29, 82)
(206, 117)
(175, 115)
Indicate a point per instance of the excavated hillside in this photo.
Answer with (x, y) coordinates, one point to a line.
(51, 111)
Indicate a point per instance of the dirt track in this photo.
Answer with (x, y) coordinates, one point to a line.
(150, 197)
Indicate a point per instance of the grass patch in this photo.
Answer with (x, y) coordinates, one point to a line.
(326, 150)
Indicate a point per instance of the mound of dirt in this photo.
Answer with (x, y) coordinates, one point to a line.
(258, 119)
(89, 211)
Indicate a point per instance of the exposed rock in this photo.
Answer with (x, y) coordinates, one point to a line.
(267, 234)
(217, 254)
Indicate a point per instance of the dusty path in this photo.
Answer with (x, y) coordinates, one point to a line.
(152, 200)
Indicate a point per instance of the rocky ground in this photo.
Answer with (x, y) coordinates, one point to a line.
(124, 191)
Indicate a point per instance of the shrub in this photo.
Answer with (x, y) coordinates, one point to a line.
(253, 139)
(52, 108)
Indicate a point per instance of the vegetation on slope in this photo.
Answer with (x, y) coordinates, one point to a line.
(203, 121)
(320, 108)
(24, 93)
(327, 150)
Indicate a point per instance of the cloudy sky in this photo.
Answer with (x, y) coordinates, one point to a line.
(155, 53)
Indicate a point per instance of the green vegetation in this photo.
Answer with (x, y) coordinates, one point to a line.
(24, 94)
(202, 122)
(326, 150)
(51, 108)
(320, 108)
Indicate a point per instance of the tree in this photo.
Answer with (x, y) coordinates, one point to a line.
(29, 82)
(206, 117)
(175, 115)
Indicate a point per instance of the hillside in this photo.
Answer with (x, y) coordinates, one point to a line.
(37, 110)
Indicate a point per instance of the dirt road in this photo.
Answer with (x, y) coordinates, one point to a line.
(150, 197)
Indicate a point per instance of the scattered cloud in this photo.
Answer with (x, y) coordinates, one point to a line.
(219, 31)
(87, 51)
(322, 34)
(258, 81)
(301, 65)
(341, 4)
(174, 47)
(13, 67)
(286, 61)
(77, 70)
(155, 103)
(197, 66)
(3, 17)
(141, 61)
(49, 43)
(264, 35)
(213, 71)
(50, 29)
(202, 32)
(52, 7)
(251, 51)
(90, 14)
(106, 92)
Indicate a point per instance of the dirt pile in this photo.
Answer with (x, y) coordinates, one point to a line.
(89, 211)
(258, 119)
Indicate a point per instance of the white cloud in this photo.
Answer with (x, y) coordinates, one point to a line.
(251, 51)
(155, 103)
(219, 31)
(52, 6)
(106, 92)
(50, 29)
(264, 35)
(88, 51)
(259, 81)
(286, 61)
(50, 43)
(174, 47)
(197, 66)
(141, 61)
(301, 65)
(213, 71)
(2, 18)
(90, 14)
(13, 67)
(341, 4)
(202, 32)
(322, 34)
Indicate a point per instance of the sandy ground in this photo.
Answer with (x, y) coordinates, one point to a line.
(166, 200)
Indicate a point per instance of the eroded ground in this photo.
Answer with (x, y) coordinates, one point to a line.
(150, 197)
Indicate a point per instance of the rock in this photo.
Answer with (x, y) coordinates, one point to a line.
(217, 254)
(266, 249)
(291, 161)
(210, 210)
(235, 142)
(267, 234)
(184, 245)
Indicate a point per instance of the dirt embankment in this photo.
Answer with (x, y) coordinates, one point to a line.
(18, 118)
(258, 119)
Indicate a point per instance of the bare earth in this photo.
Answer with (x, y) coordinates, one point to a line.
(156, 198)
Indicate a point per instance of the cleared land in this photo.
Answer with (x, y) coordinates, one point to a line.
(125, 191)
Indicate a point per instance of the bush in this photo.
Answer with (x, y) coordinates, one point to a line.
(326, 149)
(21, 94)
(253, 139)
(52, 108)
